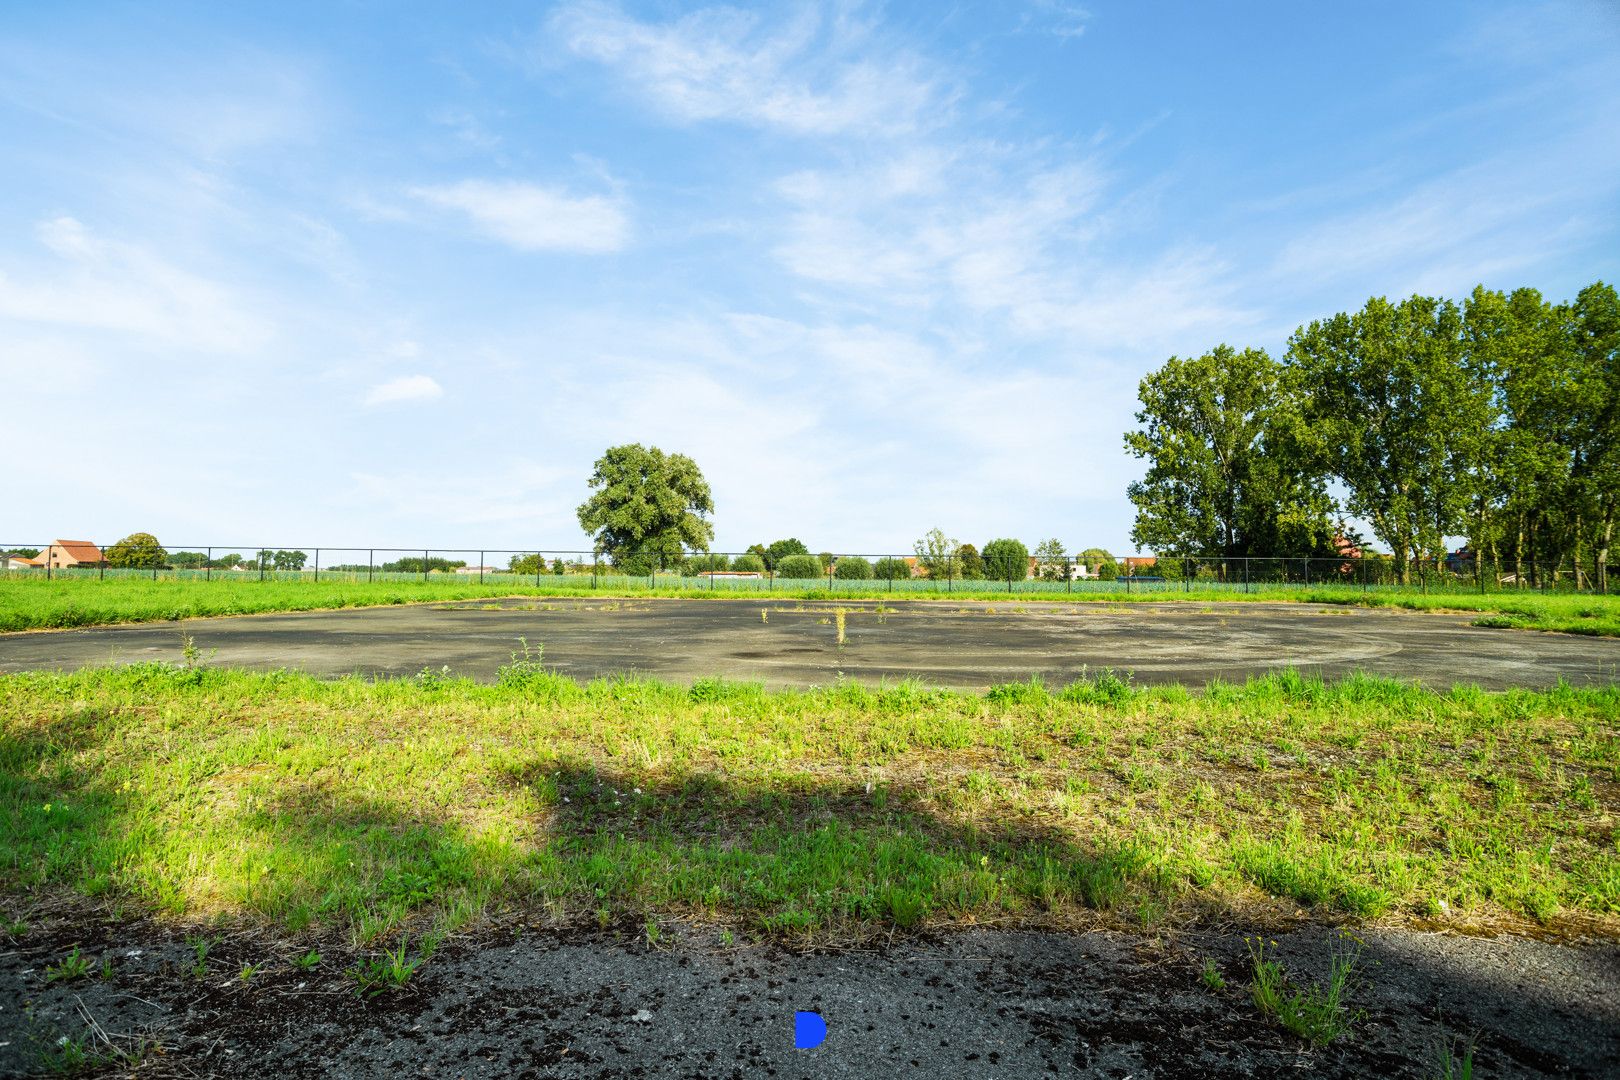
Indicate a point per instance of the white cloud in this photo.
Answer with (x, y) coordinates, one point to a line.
(100, 284)
(1059, 18)
(810, 75)
(520, 498)
(404, 388)
(532, 218)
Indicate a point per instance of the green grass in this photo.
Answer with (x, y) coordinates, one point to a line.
(31, 602)
(1317, 1013)
(377, 806)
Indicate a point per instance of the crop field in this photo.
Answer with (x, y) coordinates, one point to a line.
(832, 814)
(31, 602)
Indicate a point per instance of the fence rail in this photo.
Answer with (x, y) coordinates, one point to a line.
(843, 573)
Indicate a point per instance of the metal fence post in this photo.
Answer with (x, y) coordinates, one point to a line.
(102, 576)
(261, 564)
(480, 568)
(424, 567)
(208, 565)
(317, 564)
(371, 564)
(1245, 575)
(1307, 572)
(539, 561)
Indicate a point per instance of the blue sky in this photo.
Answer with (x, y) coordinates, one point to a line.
(372, 273)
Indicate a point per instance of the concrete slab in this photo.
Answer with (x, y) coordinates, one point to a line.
(969, 645)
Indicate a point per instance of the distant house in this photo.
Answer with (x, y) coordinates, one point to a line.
(65, 554)
(1138, 564)
(1347, 548)
(18, 562)
(479, 569)
(916, 567)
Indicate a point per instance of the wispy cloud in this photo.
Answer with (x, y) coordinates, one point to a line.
(404, 388)
(811, 74)
(97, 283)
(1059, 18)
(533, 218)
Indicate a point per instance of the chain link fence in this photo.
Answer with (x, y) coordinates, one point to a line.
(842, 574)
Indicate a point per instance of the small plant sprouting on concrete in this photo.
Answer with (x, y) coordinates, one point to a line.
(655, 933)
(199, 948)
(390, 971)
(1454, 1062)
(764, 615)
(526, 666)
(247, 972)
(839, 615)
(1317, 1014)
(190, 655)
(75, 965)
(1212, 976)
(307, 961)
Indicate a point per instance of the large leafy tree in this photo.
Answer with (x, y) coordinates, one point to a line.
(1006, 560)
(1231, 469)
(140, 551)
(1404, 415)
(935, 553)
(969, 565)
(1597, 345)
(781, 549)
(648, 507)
(1052, 560)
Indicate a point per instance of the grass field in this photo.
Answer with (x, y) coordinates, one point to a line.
(32, 602)
(833, 813)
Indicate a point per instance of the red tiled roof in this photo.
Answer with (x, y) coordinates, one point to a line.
(79, 550)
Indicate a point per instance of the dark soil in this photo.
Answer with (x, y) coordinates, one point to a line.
(516, 1001)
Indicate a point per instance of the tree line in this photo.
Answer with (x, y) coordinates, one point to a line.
(1496, 419)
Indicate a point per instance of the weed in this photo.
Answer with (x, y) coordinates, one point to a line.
(307, 961)
(1212, 976)
(764, 616)
(839, 614)
(526, 666)
(190, 655)
(75, 965)
(1317, 1014)
(106, 969)
(14, 928)
(1451, 1065)
(654, 933)
(247, 972)
(71, 1055)
(390, 971)
(428, 679)
(199, 948)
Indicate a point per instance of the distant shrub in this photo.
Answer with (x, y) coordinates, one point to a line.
(1006, 560)
(781, 549)
(703, 564)
(891, 569)
(850, 568)
(140, 551)
(798, 567)
(748, 564)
